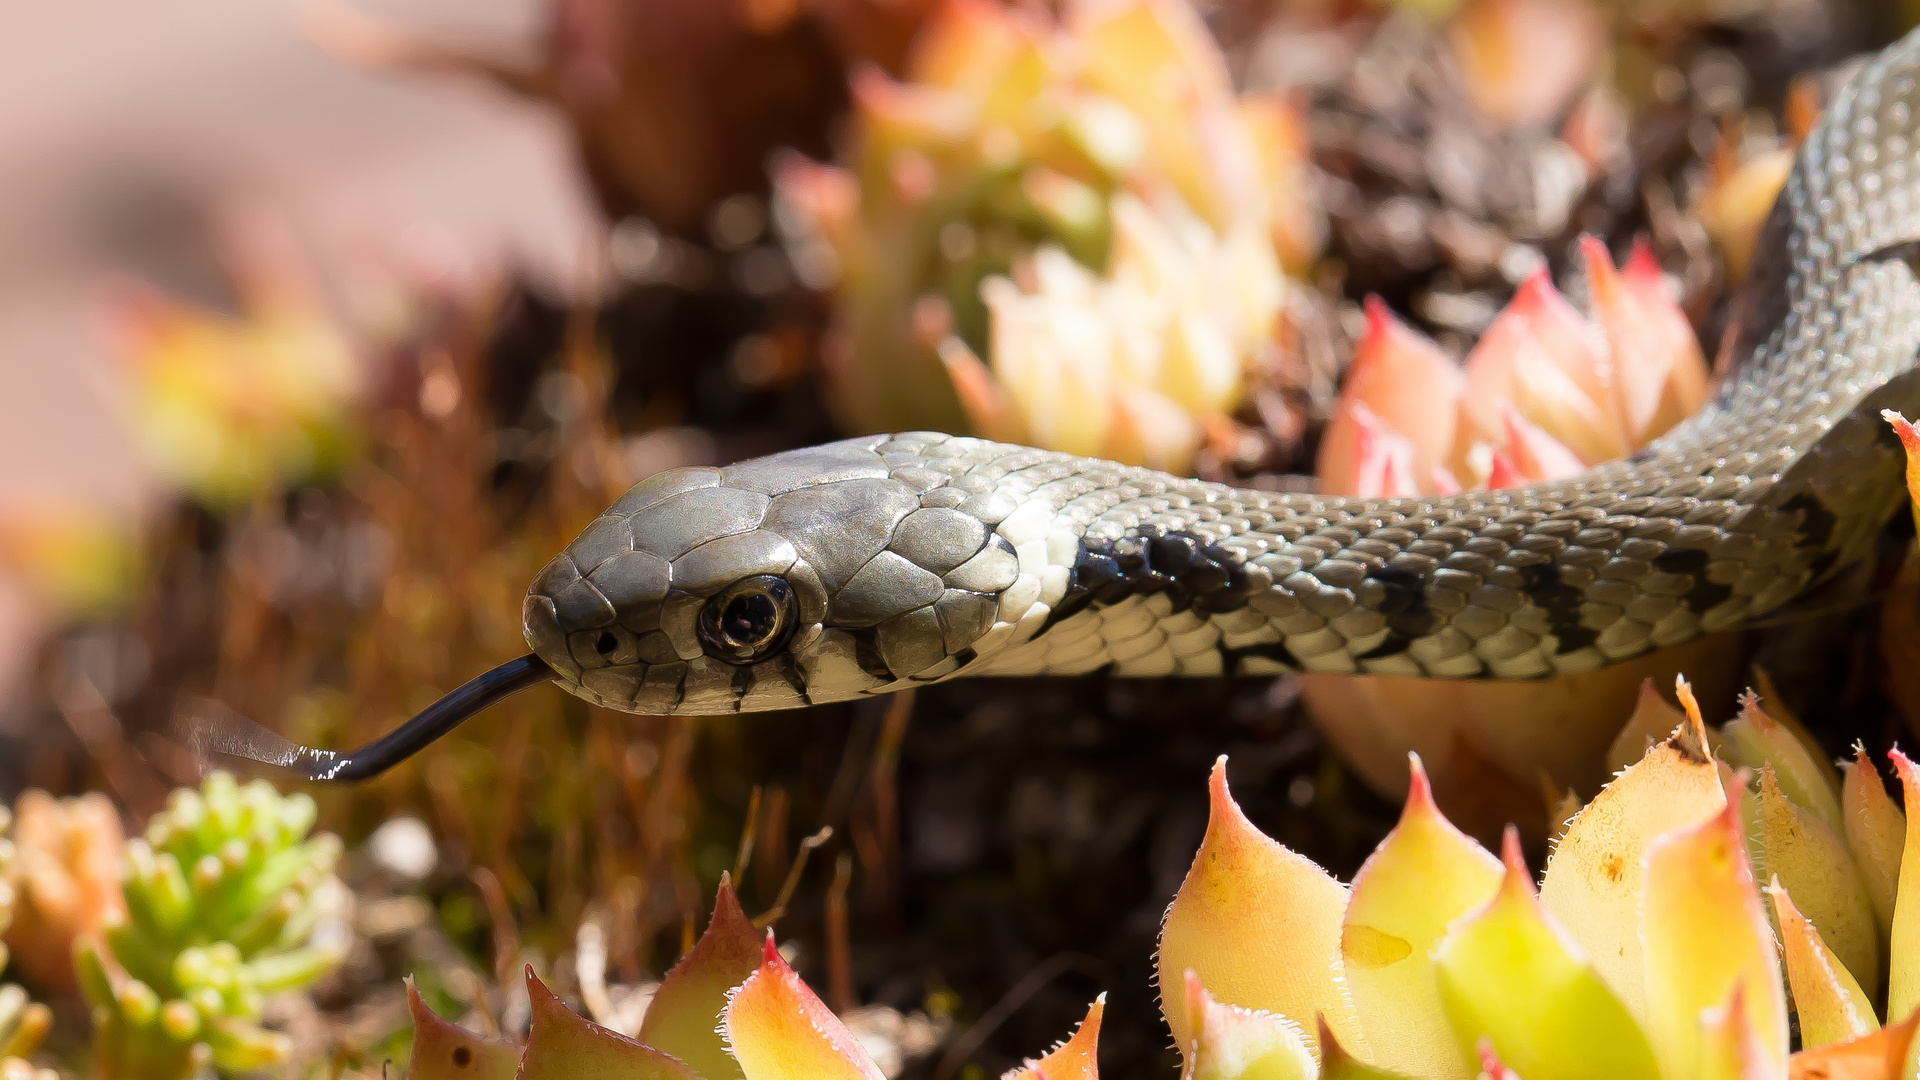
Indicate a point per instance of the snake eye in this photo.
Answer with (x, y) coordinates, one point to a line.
(750, 619)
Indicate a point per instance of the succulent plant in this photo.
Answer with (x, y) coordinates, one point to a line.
(66, 880)
(1724, 881)
(224, 897)
(1102, 161)
(1545, 393)
(227, 406)
(23, 1024)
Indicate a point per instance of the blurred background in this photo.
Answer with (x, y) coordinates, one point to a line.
(324, 323)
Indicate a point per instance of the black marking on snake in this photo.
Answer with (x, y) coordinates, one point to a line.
(1232, 660)
(1561, 602)
(1704, 595)
(1404, 603)
(742, 682)
(789, 669)
(1193, 571)
(1816, 521)
(866, 652)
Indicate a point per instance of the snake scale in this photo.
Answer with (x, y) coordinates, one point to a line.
(889, 561)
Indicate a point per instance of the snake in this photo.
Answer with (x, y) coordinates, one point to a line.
(883, 562)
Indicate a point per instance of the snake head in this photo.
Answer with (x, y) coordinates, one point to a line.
(814, 575)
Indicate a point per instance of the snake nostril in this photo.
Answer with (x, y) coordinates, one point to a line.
(606, 643)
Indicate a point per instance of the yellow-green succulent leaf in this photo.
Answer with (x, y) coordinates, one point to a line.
(1757, 740)
(1258, 923)
(1593, 881)
(1653, 720)
(778, 1029)
(683, 1019)
(1876, 832)
(1425, 874)
(1910, 440)
(1729, 1047)
(1811, 860)
(1885, 1054)
(1232, 1043)
(443, 1050)
(1704, 934)
(1339, 1063)
(1826, 997)
(1076, 1058)
(1510, 976)
(1903, 980)
(564, 1046)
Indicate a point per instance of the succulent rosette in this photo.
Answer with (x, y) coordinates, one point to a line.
(1072, 231)
(227, 900)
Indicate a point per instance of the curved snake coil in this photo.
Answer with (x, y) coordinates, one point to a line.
(878, 563)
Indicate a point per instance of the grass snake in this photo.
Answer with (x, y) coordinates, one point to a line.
(888, 561)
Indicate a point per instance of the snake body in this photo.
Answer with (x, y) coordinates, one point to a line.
(889, 561)
(873, 564)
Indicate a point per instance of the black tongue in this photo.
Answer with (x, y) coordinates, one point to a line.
(211, 730)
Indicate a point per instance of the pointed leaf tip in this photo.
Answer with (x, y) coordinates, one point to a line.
(780, 1030)
(1595, 876)
(1879, 1055)
(1827, 999)
(1903, 985)
(1076, 1057)
(1812, 860)
(443, 1050)
(683, 1018)
(1705, 933)
(1423, 876)
(1513, 981)
(564, 1046)
(1258, 922)
(1876, 832)
(1910, 441)
(1231, 1043)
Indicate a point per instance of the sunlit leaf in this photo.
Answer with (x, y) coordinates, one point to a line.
(1592, 884)
(1549, 362)
(1876, 832)
(1510, 976)
(1882, 1055)
(1339, 1063)
(1705, 934)
(1903, 983)
(1074, 1059)
(443, 1050)
(1729, 1047)
(1661, 376)
(1652, 721)
(1811, 860)
(565, 1046)
(1232, 1043)
(1425, 874)
(780, 1030)
(1409, 383)
(1258, 923)
(683, 1018)
(1910, 440)
(1827, 999)
(1756, 740)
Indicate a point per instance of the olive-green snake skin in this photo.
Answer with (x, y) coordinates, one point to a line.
(885, 562)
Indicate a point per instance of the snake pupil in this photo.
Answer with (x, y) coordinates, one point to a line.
(748, 620)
